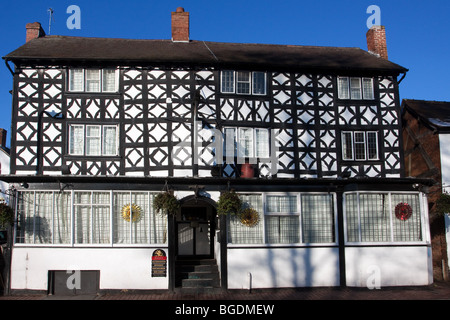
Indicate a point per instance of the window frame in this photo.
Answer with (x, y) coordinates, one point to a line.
(302, 243)
(235, 82)
(393, 230)
(101, 79)
(155, 223)
(347, 93)
(101, 137)
(222, 76)
(237, 152)
(365, 143)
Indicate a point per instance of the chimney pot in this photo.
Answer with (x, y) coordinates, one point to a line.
(180, 25)
(34, 31)
(376, 41)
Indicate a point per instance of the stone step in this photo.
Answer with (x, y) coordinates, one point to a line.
(196, 275)
(196, 262)
(199, 290)
(198, 268)
(195, 283)
(200, 275)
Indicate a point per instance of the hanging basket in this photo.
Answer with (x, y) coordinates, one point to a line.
(165, 202)
(403, 211)
(131, 212)
(249, 217)
(443, 204)
(229, 203)
(6, 215)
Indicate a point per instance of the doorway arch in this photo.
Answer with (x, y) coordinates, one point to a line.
(195, 227)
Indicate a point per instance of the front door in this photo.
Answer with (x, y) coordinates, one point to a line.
(194, 233)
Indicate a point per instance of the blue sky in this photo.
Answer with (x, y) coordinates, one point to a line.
(417, 31)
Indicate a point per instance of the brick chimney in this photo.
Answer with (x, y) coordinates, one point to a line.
(180, 25)
(376, 41)
(34, 31)
(3, 138)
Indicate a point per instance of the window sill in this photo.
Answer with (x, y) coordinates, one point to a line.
(281, 245)
(80, 157)
(84, 93)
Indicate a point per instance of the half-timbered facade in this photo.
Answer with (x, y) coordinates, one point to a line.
(100, 125)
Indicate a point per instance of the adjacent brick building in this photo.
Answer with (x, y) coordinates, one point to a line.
(426, 141)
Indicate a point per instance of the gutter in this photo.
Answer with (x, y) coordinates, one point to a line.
(8, 66)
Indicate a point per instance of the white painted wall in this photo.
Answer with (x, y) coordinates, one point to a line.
(444, 146)
(396, 266)
(121, 268)
(4, 162)
(283, 267)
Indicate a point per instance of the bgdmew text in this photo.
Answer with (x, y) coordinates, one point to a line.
(238, 309)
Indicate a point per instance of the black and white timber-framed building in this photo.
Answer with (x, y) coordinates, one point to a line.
(99, 124)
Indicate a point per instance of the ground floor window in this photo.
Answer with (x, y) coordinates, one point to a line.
(286, 219)
(88, 217)
(383, 217)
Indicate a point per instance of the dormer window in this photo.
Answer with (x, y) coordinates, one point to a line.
(93, 80)
(243, 82)
(355, 88)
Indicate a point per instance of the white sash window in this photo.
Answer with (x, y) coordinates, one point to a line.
(93, 80)
(93, 140)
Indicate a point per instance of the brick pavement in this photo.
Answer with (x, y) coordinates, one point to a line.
(436, 291)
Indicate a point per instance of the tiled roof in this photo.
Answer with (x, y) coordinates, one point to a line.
(58, 49)
(435, 113)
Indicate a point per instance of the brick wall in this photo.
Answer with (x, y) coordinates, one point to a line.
(422, 159)
(180, 25)
(376, 41)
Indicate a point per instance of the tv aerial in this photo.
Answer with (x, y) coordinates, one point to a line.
(50, 19)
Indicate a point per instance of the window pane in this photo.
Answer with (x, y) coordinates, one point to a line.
(262, 143)
(281, 204)
(92, 80)
(131, 218)
(110, 140)
(76, 144)
(229, 142)
(352, 217)
(355, 88)
(92, 217)
(243, 82)
(76, 79)
(372, 146)
(228, 81)
(368, 88)
(343, 88)
(238, 232)
(282, 229)
(408, 229)
(62, 217)
(245, 142)
(360, 146)
(158, 225)
(259, 83)
(317, 218)
(347, 146)
(375, 217)
(93, 140)
(109, 80)
(43, 218)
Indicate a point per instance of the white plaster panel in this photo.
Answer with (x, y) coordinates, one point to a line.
(394, 266)
(31, 265)
(283, 267)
